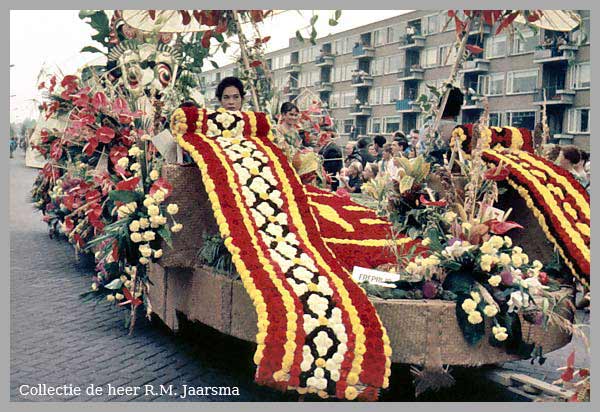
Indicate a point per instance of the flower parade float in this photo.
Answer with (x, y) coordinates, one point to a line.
(234, 239)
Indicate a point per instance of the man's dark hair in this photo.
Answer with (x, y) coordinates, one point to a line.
(230, 81)
(363, 142)
(287, 107)
(379, 140)
(399, 134)
(402, 142)
(585, 156)
(414, 131)
(454, 103)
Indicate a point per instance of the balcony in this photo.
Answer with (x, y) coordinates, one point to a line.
(554, 96)
(362, 109)
(362, 81)
(412, 42)
(293, 68)
(407, 106)
(472, 102)
(363, 52)
(559, 54)
(414, 72)
(324, 60)
(291, 91)
(324, 86)
(476, 66)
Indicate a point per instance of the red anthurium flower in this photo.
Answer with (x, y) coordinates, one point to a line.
(69, 81)
(571, 360)
(91, 146)
(105, 134)
(567, 375)
(78, 240)
(100, 101)
(425, 202)
(543, 277)
(584, 372)
(474, 49)
(81, 100)
(120, 106)
(342, 193)
(500, 228)
(129, 184)
(117, 152)
(206, 39)
(496, 173)
(44, 136)
(56, 150)
(130, 299)
(162, 183)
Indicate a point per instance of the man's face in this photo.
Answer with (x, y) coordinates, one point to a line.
(396, 148)
(348, 149)
(414, 138)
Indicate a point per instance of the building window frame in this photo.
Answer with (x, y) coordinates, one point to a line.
(517, 39)
(510, 76)
(489, 43)
(574, 120)
(373, 120)
(575, 74)
(509, 115)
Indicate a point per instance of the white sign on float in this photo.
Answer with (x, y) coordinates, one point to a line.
(374, 277)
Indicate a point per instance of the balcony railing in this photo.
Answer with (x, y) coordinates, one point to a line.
(412, 41)
(362, 80)
(414, 72)
(476, 66)
(362, 109)
(407, 105)
(324, 60)
(361, 51)
(554, 53)
(554, 95)
(324, 86)
(472, 101)
(292, 68)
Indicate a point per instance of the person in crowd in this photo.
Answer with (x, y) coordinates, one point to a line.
(353, 132)
(363, 149)
(230, 93)
(373, 150)
(551, 152)
(379, 142)
(332, 159)
(370, 172)
(569, 159)
(417, 144)
(399, 144)
(286, 135)
(352, 181)
(387, 165)
(12, 145)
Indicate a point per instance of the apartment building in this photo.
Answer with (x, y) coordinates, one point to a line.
(369, 77)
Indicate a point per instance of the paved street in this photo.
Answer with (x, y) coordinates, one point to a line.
(57, 339)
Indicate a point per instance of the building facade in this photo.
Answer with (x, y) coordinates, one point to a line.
(369, 77)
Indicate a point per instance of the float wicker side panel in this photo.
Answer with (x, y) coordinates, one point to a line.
(195, 213)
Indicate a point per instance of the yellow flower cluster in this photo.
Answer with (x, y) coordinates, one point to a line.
(499, 333)
(178, 122)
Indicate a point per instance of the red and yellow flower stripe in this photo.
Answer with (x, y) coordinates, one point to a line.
(318, 332)
(557, 200)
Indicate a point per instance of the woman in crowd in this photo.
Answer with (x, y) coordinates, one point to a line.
(370, 172)
(386, 165)
(286, 136)
(569, 159)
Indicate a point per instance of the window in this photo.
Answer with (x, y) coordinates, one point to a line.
(431, 24)
(348, 123)
(393, 34)
(375, 125)
(334, 100)
(347, 98)
(521, 119)
(580, 75)
(379, 37)
(522, 81)
(375, 95)
(430, 55)
(491, 84)
(524, 41)
(392, 64)
(349, 43)
(496, 119)
(495, 46)
(578, 120)
(338, 46)
(447, 55)
(377, 66)
(391, 94)
(392, 124)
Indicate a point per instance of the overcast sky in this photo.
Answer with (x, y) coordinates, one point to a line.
(53, 39)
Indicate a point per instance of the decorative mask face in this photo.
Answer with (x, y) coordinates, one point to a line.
(146, 67)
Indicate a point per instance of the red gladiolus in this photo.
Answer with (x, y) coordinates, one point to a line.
(105, 134)
(425, 202)
(129, 184)
(69, 82)
(44, 136)
(500, 228)
(69, 225)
